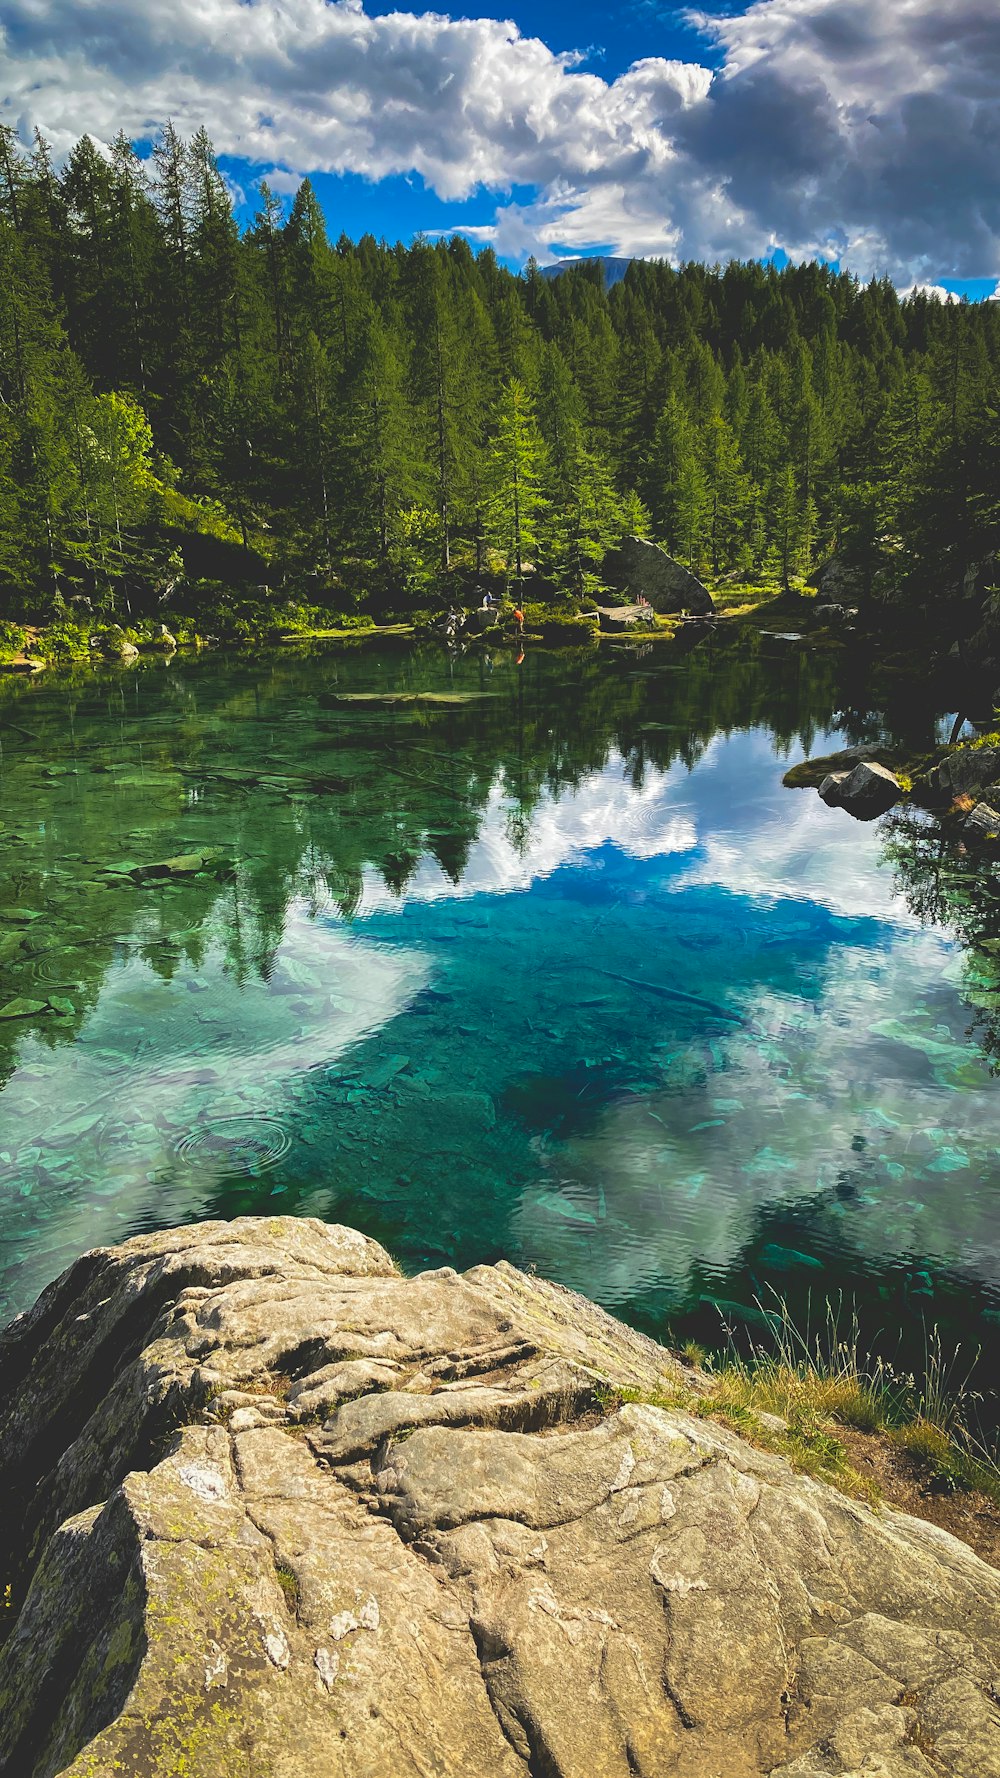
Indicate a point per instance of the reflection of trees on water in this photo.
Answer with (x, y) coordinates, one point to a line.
(311, 790)
(946, 884)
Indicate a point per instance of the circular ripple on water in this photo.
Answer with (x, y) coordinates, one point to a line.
(235, 1147)
(61, 964)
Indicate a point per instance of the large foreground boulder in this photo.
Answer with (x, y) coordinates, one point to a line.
(644, 569)
(270, 1508)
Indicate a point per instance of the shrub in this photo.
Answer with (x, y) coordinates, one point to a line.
(12, 640)
(64, 641)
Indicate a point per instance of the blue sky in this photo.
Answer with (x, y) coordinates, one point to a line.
(864, 134)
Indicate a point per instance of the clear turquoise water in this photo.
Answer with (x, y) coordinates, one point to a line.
(557, 971)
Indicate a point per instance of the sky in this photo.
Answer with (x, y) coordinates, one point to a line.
(863, 132)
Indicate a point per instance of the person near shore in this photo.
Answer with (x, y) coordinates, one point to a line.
(487, 604)
(519, 619)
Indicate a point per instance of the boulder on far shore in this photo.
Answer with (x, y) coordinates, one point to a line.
(638, 567)
(840, 582)
(114, 645)
(866, 792)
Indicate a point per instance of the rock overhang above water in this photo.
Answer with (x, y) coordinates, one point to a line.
(265, 1494)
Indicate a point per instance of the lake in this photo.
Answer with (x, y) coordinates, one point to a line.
(533, 960)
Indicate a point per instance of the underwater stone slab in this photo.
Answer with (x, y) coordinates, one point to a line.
(482, 1563)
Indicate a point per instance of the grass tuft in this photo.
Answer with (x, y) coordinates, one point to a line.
(288, 1582)
(815, 1381)
(791, 1396)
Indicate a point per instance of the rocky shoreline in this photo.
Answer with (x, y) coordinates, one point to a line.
(962, 781)
(267, 1506)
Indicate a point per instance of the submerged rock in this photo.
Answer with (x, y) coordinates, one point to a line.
(638, 567)
(268, 1506)
(212, 862)
(866, 791)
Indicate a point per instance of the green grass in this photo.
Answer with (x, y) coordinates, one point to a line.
(819, 1380)
(288, 1582)
(792, 1395)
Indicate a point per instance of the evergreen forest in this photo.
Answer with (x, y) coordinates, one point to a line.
(198, 419)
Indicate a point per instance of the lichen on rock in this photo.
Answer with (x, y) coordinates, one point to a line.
(270, 1507)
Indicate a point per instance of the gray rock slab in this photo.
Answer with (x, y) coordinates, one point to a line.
(637, 567)
(966, 771)
(269, 1507)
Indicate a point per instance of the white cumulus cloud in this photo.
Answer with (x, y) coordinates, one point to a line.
(866, 133)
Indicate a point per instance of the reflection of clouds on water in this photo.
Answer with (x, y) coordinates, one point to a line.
(755, 904)
(848, 1098)
(563, 828)
(742, 830)
(811, 854)
(109, 1134)
(761, 840)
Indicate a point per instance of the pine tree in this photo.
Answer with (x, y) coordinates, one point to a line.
(383, 476)
(137, 256)
(34, 360)
(678, 490)
(516, 459)
(727, 494)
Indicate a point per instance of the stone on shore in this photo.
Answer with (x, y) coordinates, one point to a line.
(268, 1507)
(868, 790)
(983, 821)
(965, 771)
(615, 618)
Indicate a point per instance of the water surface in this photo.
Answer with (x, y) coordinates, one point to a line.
(546, 964)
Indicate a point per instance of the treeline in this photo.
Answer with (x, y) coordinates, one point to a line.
(182, 404)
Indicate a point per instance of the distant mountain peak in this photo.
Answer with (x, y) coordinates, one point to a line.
(614, 269)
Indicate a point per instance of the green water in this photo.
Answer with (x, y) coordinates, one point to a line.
(547, 965)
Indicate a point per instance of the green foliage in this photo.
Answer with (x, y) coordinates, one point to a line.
(515, 497)
(12, 641)
(815, 1380)
(67, 641)
(359, 419)
(204, 515)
